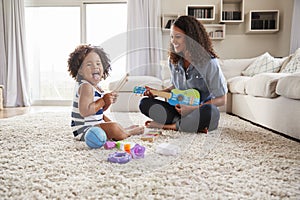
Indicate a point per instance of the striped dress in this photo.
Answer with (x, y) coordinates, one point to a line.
(81, 124)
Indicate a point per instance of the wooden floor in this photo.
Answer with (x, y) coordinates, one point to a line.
(11, 112)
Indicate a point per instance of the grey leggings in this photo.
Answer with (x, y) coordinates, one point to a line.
(207, 116)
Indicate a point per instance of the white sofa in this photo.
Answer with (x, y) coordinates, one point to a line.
(267, 94)
(127, 100)
(265, 91)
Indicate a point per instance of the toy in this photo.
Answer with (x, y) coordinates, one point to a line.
(109, 145)
(121, 83)
(187, 97)
(95, 137)
(167, 149)
(119, 157)
(125, 146)
(137, 151)
(150, 136)
(155, 133)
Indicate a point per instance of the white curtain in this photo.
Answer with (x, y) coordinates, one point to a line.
(144, 40)
(295, 33)
(13, 64)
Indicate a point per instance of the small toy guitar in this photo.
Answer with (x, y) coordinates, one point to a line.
(187, 97)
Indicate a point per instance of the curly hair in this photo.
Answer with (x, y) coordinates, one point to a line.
(196, 35)
(78, 55)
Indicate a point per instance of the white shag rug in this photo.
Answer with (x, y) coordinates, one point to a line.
(41, 160)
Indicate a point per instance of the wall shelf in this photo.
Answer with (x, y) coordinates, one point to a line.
(215, 31)
(262, 21)
(232, 11)
(167, 20)
(201, 12)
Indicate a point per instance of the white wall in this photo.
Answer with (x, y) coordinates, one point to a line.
(237, 44)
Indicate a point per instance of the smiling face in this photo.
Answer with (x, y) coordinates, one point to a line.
(178, 39)
(91, 68)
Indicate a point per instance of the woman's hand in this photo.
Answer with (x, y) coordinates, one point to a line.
(148, 92)
(184, 110)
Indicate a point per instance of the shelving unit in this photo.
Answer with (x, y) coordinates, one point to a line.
(201, 12)
(232, 11)
(262, 21)
(166, 21)
(215, 31)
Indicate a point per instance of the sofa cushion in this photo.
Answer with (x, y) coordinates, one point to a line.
(289, 86)
(263, 85)
(264, 63)
(165, 74)
(293, 65)
(165, 70)
(234, 67)
(237, 84)
(285, 62)
(133, 81)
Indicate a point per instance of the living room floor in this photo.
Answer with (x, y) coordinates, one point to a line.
(11, 112)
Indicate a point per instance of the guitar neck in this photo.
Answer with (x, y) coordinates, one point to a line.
(165, 95)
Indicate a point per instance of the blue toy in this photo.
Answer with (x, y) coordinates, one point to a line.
(95, 137)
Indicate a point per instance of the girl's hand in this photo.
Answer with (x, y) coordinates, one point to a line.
(108, 99)
(184, 110)
(114, 97)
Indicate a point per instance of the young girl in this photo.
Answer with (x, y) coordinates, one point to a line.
(88, 65)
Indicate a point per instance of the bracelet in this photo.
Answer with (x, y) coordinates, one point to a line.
(119, 157)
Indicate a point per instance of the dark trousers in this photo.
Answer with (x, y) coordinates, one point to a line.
(207, 116)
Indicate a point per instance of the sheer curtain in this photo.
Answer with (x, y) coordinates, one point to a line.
(144, 38)
(295, 33)
(13, 69)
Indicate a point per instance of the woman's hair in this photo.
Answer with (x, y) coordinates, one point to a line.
(196, 36)
(78, 55)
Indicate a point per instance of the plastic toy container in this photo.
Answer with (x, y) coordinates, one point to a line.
(167, 149)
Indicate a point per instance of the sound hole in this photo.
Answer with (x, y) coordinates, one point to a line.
(180, 98)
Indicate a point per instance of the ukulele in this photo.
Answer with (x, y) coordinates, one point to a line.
(187, 97)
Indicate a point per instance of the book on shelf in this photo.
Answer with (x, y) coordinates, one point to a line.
(169, 23)
(263, 24)
(231, 15)
(202, 13)
(216, 34)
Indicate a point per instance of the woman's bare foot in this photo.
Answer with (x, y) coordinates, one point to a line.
(205, 130)
(135, 130)
(153, 124)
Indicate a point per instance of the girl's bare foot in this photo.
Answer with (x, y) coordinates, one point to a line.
(135, 130)
(131, 127)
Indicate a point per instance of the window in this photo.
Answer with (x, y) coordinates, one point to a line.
(53, 31)
(106, 25)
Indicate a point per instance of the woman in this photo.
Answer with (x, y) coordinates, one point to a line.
(193, 64)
